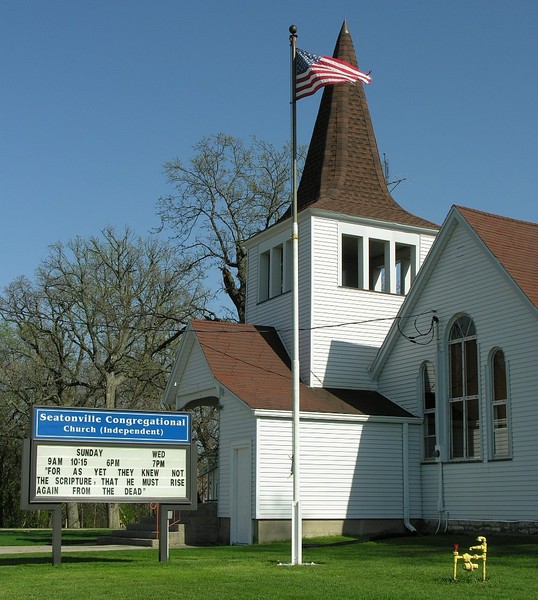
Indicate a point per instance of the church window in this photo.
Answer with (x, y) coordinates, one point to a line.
(352, 258)
(405, 261)
(275, 267)
(428, 405)
(499, 405)
(378, 254)
(463, 390)
(377, 265)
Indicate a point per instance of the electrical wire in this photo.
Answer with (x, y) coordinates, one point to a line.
(268, 329)
(417, 339)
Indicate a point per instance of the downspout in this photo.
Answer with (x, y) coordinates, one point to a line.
(405, 464)
(440, 495)
(439, 422)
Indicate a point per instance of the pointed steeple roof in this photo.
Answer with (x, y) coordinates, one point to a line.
(342, 171)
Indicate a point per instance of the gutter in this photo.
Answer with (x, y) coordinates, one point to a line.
(349, 417)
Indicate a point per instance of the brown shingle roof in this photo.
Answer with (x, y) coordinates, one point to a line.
(342, 171)
(513, 243)
(252, 363)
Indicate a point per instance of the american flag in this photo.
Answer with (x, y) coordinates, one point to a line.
(315, 71)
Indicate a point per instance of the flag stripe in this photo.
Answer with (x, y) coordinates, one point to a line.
(314, 72)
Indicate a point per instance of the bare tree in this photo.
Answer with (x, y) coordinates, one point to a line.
(38, 365)
(225, 194)
(205, 424)
(103, 317)
(14, 424)
(40, 345)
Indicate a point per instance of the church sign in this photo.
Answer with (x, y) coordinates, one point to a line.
(98, 455)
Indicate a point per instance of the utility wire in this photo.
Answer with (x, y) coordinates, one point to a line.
(268, 329)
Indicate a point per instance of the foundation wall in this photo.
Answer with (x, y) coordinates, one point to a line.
(480, 527)
(276, 530)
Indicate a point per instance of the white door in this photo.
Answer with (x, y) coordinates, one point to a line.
(241, 522)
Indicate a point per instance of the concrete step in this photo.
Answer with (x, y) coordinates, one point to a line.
(199, 527)
(111, 540)
(175, 540)
(147, 526)
(134, 533)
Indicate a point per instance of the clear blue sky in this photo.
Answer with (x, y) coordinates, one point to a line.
(97, 94)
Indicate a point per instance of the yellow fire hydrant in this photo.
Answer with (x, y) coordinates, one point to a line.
(467, 558)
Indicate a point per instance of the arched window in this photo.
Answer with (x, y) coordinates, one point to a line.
(463, 390)
(428, 406)
(499, 402)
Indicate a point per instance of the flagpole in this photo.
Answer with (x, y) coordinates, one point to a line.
(296, 520)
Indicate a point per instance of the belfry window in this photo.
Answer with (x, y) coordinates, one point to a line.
(379, 261)
(352, 261)
(275, 267)
(405, 261)
(376, 264)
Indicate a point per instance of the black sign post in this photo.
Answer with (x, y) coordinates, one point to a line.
(27, 505)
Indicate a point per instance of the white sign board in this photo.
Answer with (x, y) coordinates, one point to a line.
(110, 473)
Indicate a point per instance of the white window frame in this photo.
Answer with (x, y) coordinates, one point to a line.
(493, 403)
(466, 399)
(395, 275)
(428, 412)
(274, 267)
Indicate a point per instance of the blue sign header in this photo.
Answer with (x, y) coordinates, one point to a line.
(58, 423)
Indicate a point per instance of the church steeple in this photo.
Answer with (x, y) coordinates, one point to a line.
(343, 171)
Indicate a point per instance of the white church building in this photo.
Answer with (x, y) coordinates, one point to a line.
(418, 358)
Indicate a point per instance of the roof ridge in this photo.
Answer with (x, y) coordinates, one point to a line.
(462, 208)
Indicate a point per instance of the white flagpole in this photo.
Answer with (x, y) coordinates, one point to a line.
(296, 520)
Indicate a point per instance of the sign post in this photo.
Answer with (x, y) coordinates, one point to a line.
(27, 505)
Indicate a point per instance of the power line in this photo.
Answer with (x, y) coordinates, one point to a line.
(269, 329)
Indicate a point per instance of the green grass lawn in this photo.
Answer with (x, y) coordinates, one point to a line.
(412, 567)
(38, 537)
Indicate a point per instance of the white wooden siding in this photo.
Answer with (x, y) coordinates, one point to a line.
(426, 242)
(196, 379)
(430, 474)
(347, 334)
(237, 425)
(341, 328)
(348, 470)
(495, 491)
(415, 472)
(466, 280)
(277, 312)
(251, 299)
(348, 325)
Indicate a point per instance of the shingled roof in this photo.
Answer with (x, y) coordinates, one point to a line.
(343, 171)
(252, 363)
(514, 244)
